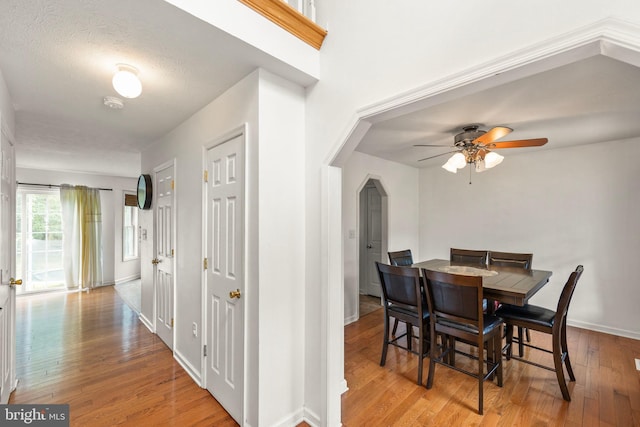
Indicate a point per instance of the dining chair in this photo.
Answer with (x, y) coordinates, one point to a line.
(516, 260)
(468, 256)
(547, 321)
(404, 300)
(511, 259)
(400, 258)
(455, 312)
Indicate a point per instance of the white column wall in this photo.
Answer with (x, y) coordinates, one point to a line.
(400, 182)
(567, 206)
(114, 269)
(281, 250)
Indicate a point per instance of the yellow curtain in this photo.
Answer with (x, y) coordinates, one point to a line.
(82, 230)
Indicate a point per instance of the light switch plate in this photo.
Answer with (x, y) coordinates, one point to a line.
(638, 364)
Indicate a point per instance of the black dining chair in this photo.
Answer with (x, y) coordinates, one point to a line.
(469, 257)
(402, 258)
(515, 260)
(511, 259)
(404, 300)
(549, 322)
(455, 313)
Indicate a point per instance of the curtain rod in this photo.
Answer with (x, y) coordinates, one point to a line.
(58, 186)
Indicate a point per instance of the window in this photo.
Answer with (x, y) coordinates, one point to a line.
(130, 227)
(39, 239)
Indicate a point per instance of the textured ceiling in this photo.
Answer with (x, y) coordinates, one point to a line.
(58, 57)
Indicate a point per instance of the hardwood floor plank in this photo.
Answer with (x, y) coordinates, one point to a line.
(605, 392)
(90, 350)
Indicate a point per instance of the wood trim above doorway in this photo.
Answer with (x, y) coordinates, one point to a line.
(285, 16)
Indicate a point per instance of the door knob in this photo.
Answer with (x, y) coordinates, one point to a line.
(369, 246)
(234, 294)
(155, 261)
(14, 282)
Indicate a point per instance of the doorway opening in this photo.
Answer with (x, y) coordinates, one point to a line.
(39, 240)
(373, 242)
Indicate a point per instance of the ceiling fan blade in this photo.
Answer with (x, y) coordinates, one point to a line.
(519, 143)
(492, 134)
(438, 155)
(431, 145)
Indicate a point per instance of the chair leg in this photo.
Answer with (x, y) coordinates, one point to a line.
(395, 327)
(497, 350)
(409, 335)
(509, 341)
(520, 342)
(565, 351)
(481, 362)
(528, 334)
(420, 353)
(385, 340)
(432, 356)
(557, 362)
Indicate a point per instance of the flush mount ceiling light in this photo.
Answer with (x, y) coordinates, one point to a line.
(126, 82)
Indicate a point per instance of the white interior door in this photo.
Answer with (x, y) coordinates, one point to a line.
(373, 238)
(225, 275)
(164, 243)
(7, 270)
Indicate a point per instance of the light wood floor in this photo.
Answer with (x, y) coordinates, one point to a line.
(92, 352)
(606, 391)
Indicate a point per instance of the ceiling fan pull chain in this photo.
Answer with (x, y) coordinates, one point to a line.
(470, 174)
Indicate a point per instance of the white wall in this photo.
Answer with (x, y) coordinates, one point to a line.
(567, 206)
(273, 111)
(375, 52)
(400, 182)
(114, 269)
(7, 113)
(281, 250)
(185, 144)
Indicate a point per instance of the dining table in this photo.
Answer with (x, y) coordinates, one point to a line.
(508, 285)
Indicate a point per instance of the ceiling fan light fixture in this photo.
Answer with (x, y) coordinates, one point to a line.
(492, 159)
(126, 82)
(449, 167)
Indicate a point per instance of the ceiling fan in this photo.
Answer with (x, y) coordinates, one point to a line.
(474, 146)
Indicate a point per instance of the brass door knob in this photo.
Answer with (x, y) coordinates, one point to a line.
(13, 281)
(234, 294)
(155, 261)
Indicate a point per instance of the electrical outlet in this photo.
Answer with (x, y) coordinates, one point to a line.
(194, 329)
(638, 364)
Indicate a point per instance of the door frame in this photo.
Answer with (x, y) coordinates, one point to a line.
(361, 230)
(11, 315)
(241, 131)
(174, 215)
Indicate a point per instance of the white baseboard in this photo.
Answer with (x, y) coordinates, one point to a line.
(127, 279)
(291, 420)
(311, 418)
(350, 319)
(344, 386)
(146, 322)
(605, 329)
(191, 370)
